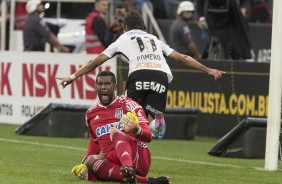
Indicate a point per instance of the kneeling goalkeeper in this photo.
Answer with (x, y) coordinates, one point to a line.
(119, 129)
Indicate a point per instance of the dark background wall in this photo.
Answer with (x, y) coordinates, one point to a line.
(260, 37)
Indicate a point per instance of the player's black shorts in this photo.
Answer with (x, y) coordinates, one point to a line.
(149, 89)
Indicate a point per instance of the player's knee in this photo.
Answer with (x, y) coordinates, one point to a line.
(90, 160)
(114, 133)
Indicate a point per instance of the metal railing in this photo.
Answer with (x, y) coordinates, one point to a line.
(3, 24)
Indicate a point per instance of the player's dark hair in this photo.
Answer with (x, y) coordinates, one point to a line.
(134, 20)
(121, 6)
(107, 73)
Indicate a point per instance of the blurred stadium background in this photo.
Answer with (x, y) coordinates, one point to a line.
(198, 106)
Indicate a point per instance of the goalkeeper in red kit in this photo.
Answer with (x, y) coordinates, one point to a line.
(119, 130)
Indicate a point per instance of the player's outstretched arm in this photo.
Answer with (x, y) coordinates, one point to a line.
(191, 62)
(91, 65)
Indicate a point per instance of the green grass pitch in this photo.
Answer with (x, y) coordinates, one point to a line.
(38, 160)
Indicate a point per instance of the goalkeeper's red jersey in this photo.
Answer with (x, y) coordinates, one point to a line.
(100, 119)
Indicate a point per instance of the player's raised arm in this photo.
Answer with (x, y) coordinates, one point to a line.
(191, 62)
(91, 65)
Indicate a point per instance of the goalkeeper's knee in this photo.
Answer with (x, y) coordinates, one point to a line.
(90, 160)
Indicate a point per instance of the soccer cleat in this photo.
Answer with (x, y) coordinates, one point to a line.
(128, 173)
(159, 180)
(160, 125)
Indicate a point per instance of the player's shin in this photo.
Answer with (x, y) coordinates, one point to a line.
(105, 170)
(122, 147)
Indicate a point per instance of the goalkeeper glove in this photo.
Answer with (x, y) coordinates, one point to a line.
(130, 123)
(80, 171)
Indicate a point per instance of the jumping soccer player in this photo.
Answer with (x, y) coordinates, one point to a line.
(119, 129)
(149, 73)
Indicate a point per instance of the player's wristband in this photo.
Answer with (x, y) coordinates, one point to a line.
(72, 77)
(138, 131)
(83, 160)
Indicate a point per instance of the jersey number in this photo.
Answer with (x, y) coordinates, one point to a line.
(147, 41)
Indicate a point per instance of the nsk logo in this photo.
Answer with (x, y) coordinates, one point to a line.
(39, 80)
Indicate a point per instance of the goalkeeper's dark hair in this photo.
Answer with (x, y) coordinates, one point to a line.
(107, 73)
(134, 20)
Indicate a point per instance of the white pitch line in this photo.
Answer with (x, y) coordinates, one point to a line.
(196, 162)
(82, 149)
(41, 144)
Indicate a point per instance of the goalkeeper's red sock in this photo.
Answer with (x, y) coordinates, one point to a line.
(122, 148)
(105, 170)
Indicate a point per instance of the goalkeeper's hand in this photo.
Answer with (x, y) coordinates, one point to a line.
(130, 122)
(80, 171)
